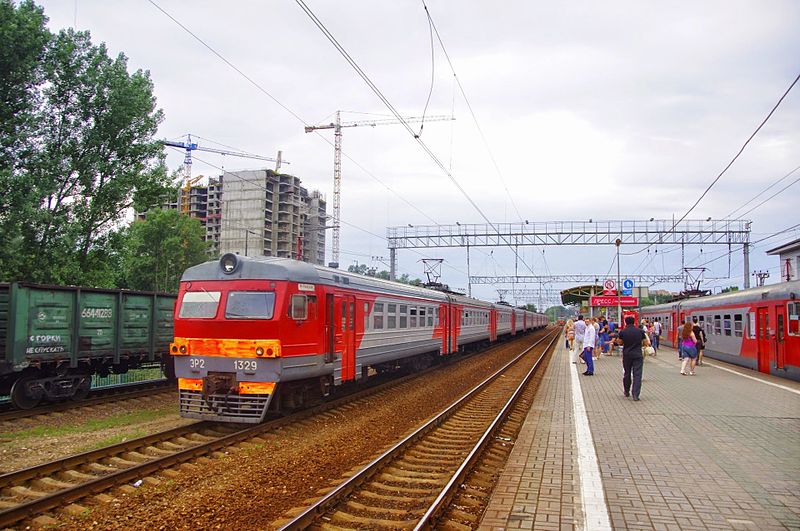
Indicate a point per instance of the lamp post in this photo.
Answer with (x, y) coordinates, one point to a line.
(619, 302)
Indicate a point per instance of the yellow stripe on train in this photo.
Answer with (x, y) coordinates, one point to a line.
(229, 348)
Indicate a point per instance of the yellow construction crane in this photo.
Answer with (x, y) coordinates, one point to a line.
(337, 162)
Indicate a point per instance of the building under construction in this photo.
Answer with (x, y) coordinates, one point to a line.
(258, 213)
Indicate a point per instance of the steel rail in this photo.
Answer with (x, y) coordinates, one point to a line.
(428, 520)
(56, 499)
(306, 518)
(103, 395)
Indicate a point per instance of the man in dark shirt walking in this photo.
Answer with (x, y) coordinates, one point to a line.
(632, 339)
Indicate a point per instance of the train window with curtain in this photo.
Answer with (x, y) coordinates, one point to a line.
(391, 308)
(412, 321)
(718, 325)
(377, 322)
(726, 324)
(403, 316)
(199, 304)
(250, 305)
(793, 313)
(391, 321)
(298, 307)
(738, 325)
(378, 308)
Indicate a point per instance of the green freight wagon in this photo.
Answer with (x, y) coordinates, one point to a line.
(54, 338)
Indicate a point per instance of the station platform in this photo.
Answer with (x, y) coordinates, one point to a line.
(719, 450)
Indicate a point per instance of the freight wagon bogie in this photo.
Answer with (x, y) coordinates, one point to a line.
(53, 339)
(253, 335)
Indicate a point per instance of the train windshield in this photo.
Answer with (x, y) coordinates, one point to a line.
(199, 304)
(250, 305)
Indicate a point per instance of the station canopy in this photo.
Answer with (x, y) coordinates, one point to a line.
(579, 295)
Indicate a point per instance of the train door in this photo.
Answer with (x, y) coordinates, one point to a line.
(344, 325)
(493, 324)
(454, 326)
(762, 338)
(780, 336)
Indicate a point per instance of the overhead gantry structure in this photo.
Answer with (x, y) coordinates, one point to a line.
(557, 233)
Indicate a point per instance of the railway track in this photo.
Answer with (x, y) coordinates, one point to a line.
(100, 396)
(53, 486)
(34, 491)
(440, 474)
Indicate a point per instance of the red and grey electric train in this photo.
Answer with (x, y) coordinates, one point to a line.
(253, 334)
(758, 328)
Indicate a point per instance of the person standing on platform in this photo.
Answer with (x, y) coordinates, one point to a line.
(700, 334)
(569, 334)
(632, 339)
(580, 330)
(688, 348)
(589, 340)
(657, 330)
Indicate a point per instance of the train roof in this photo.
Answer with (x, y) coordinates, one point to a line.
(274, 268)
(783, 290)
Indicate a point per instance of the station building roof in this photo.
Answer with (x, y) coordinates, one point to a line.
(580, 294)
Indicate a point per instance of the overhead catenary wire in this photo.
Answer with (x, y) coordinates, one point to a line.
(472, 112)
(725, 169)
(761, 193)
(343, 52)
(261, 89)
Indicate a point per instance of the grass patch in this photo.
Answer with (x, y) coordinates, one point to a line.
(116, 439)
(113, 421)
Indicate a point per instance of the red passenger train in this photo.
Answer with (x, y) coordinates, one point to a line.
(253, 334)
(758, 328)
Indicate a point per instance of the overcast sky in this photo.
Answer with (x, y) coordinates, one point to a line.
(603, 110)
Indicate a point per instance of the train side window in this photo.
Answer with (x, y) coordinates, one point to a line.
(344, 316)
(793, 313)
(378, 308)
(718, 325)
(377, 322)
(352, 316)
(391, 308)
(737, 325)
(391, 321)
(751, 325)
(403, 316)
(430, 316)
(780, 327)
(726, 324)
(298, 307)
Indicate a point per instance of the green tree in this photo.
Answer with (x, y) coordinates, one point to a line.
(159, 249)
(88, 154)
(23, 40)
(729, 289)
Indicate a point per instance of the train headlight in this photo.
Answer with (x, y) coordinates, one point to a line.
(259, 351)
(229, 262)
(183, 349)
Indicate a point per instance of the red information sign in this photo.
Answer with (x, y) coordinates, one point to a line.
(612, 301)
(609, 287)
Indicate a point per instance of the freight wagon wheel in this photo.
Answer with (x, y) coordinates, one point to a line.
(20, 396)
(82, 391)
